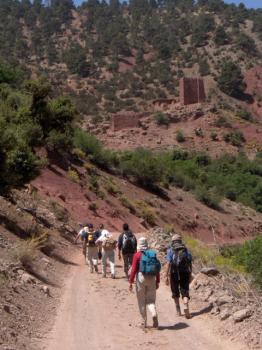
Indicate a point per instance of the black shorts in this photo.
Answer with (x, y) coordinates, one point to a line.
(179, 283)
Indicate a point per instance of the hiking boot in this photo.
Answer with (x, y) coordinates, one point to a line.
(104, 275)
(155, 322)
(91, 270)
(186, 311)
(96, 268)
(113, 276)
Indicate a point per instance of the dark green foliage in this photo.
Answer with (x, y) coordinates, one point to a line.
(75, 59)
(236, 138)
(204, 68)
(230, 80)
(29, 117)
(180, 136)
(244, 115)
(246, 44)
(237, 178)
(220, 37)
(249, 256)
(222, 122)
(208, 197)
(202, 25)
(161, 119)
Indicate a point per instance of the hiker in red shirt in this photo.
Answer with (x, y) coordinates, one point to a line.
(145, 268)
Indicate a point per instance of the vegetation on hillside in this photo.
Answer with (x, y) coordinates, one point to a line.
(29, 117)
(163, 38)
(234, 177)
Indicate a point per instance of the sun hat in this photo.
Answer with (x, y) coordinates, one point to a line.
(176, 237)
(142, 244)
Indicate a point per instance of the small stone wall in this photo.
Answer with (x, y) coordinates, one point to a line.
(192, 91)
(125, 120)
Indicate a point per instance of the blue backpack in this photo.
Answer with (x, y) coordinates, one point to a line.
(149, 264)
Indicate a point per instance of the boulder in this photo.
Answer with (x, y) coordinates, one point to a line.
(210, 271)
(26, 278)
(224, 314)
(224, 299)
(240, 315)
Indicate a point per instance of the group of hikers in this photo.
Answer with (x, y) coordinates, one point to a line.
(141, 265)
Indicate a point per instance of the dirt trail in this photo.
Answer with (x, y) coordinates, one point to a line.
(98, 313)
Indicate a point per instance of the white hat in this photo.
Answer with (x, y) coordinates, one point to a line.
(142, 244)
(105, 233)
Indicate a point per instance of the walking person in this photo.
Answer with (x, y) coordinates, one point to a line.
(82, 233)
(127, 245)
(146, 269)
(108, 245)
(178, 273)
(91, 249)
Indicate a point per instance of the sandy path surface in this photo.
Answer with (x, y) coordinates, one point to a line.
(97, 313)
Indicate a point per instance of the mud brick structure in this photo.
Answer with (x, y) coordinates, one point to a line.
(125, 120)
(192, 90)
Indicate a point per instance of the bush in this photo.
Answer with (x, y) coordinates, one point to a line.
(222, 122)
(230, 79)
(244, 115)
(93, 206)
(127, 203)
(236, 138)
(161, 119)
(213, 136)
(180, 136)
(208, 197)
(73, 175)
(249, 255)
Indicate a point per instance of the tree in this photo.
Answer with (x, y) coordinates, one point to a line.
(204, 68)
(246, 44)
(75, 59)
(231, 80)
(220, 37)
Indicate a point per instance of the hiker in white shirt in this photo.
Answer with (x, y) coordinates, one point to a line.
(108, 244)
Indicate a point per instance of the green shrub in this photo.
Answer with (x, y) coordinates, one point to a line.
(236, 138)
(73, 175)
(93, 206)
(230, 79)
(180, 136)
(244, 115)
(248, 255)
(222, 121)
(208, 197)
(127, 203)
(213, 136)
(161, 119)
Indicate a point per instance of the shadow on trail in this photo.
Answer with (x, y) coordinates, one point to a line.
(205, 310)
(62, 260)
(175, 327)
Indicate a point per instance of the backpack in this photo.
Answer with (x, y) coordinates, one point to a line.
(84, 233)
(109, 244)
(129, 243)
(149, 264)
(181, 260)
(91, 238)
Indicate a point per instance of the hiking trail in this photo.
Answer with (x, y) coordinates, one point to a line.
(98, 313)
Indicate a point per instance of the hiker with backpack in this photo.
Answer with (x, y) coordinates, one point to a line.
(146, 269)
(108, 245)
(178, 274)
(91, 248)
(82, 233)
(127, 244)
